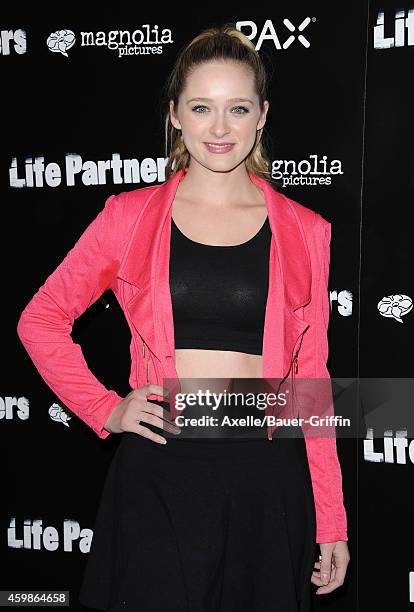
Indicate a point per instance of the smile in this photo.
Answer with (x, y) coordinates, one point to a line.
(218, 148)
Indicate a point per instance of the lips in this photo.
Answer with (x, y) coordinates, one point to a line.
(219, 148)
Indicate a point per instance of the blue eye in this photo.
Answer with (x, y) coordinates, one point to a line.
(243, 108)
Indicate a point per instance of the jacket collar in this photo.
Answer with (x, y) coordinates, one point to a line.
(291, 249)
(146, 266)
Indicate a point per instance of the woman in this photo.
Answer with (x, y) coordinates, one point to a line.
(201, 522)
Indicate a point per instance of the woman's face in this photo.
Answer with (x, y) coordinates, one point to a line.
(219, 105)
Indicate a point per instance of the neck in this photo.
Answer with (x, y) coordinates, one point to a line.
(223, 188)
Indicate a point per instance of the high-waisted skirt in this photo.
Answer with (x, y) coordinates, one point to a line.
(206, 525)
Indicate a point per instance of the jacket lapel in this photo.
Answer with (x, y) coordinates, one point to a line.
(145, 267)
(290, 279)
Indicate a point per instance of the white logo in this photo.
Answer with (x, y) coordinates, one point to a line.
(11, 407)
(12, 40)
(395, 306)
(61, 41)
(344, 300)
(145, 41)
(395, 449)
(77, 171)
(401, 24)
(269, 32)
(57, 413)
(312, 171)
(34, 536)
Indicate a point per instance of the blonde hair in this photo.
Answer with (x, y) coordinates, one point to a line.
(215, 43)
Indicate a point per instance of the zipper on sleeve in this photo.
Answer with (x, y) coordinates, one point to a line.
(146, 361)
(295, 369)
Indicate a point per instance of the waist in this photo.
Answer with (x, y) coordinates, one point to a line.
(283, 450)
(217, 363)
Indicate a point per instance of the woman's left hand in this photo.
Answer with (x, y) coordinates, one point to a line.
(332, 566)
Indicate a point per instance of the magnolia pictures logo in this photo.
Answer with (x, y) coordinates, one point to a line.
(316, 170)
(395, 306)
(61, 41)
(148, 40)
(59, 414)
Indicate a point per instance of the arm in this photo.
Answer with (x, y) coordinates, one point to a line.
(325, 470)
(45, 324)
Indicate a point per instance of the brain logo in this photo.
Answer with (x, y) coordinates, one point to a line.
(395, 306)
(57, 413)
(61, 41)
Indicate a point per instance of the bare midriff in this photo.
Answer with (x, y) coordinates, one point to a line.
(202, 363)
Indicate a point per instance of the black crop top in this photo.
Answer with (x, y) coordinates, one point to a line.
(219, 293)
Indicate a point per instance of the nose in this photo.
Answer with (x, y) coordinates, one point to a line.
(219, 126)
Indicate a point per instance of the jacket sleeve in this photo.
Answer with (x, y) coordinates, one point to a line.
(317, 397)
(45, 324)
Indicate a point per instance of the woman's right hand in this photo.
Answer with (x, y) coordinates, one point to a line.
(134, 410)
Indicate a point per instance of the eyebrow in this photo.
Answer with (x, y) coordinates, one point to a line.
(229, 100)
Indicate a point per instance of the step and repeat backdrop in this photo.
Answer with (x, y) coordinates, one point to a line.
(83, 108)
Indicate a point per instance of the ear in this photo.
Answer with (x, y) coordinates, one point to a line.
(262, 119)
(173, 116)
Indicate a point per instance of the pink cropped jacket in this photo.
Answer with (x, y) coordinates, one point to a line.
(126, 249)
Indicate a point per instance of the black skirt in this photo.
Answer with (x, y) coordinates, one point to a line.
(211, 525)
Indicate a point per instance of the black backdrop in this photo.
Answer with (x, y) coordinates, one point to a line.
(341, 107)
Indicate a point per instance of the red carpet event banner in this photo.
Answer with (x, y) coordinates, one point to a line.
(84, 101)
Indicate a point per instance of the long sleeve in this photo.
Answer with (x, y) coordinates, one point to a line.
(45, 324)
(316, 396)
